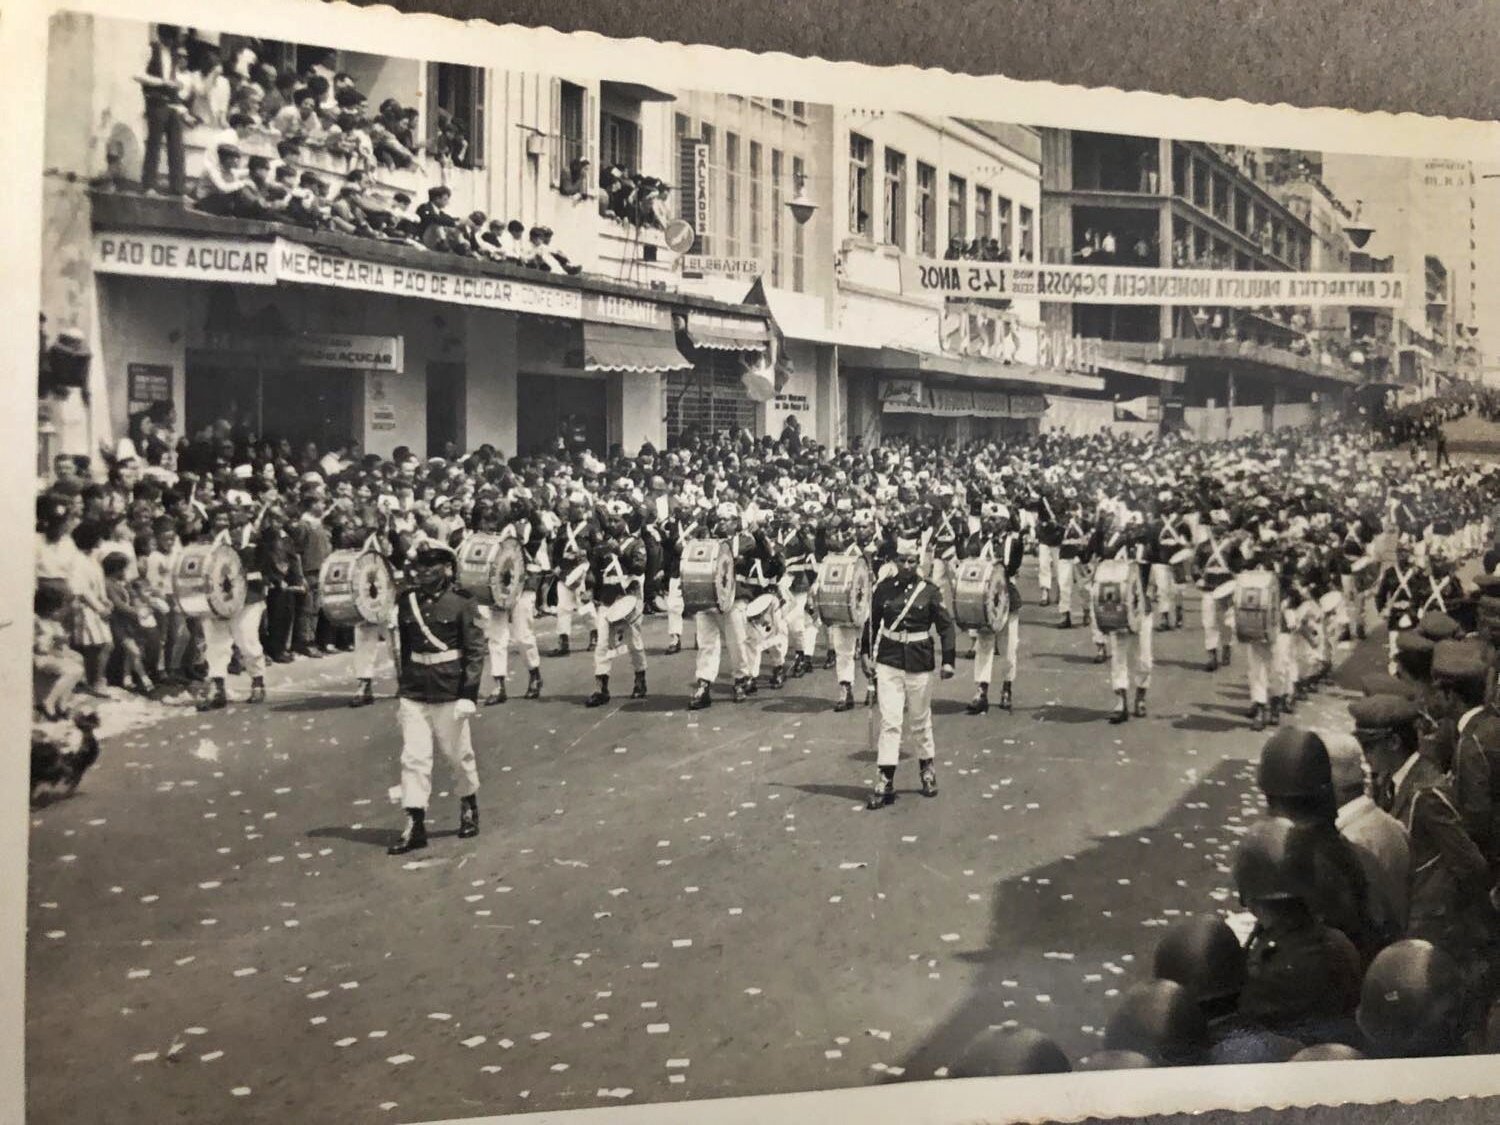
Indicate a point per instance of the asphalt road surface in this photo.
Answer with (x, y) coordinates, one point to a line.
(662, 904)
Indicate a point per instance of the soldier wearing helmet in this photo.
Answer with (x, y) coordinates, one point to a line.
(1160, 1020)
(1009, 1051)
(1302, 976)
(1412, 1002)
(1203, 955)
(517, 624)
(684, 522)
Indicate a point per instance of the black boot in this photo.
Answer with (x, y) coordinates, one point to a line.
(846, 698)
(869, 695)
(751, 685)
(601, 693)
(884, 792)
(213, 699)
(1067, 620)
(829, 659)
(1224, 656)
(1005, 696)
(366, 695)
(1213, 661)
(639, 690)
(257, 690)
(468, 817)
(534, 684)
(498, 695)
(1178, 616)
(1140, 703)
(1122, 708)
(778, 677)
(593, 639)
(1288, 704)
(414, 836)
(674, 646)
(1275, 709)
(980, 704)
(1101, 653)
(740, 695)
(1046, 597)
(795, 672)
(702, 697)
(1258, 717)
(929, 777)
(562, 648)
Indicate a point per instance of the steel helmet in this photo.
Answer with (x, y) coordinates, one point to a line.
(1294, 763)
(1114, 1060)
(1274, 861)
(1411, 999)
(1010, 1051)
(1203, 955)
(1158, 1019)
(1328, 1052)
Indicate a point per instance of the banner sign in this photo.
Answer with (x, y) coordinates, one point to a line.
(298, 263)
(702, 214)
(1057, 348)
(976, 332)
(1124, 285)
(897, 393)
(315, 349)
(148, 383)
(910, 396)
(704, 264)
(607, 309)
(194, 259)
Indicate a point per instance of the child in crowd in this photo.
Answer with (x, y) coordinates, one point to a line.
(130, 619)
(51, 656)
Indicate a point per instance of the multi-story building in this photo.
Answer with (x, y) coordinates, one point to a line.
(910, 186)
(1156, 202)
(317, 335)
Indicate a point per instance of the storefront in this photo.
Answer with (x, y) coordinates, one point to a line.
(714, 394)
(952, 413)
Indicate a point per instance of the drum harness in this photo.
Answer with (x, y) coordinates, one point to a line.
(244, 544)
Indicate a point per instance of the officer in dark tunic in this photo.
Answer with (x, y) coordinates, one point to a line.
(904, 612)
(443, 650)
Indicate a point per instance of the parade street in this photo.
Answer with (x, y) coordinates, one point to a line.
(661, 905)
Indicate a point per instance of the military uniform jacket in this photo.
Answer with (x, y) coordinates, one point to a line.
(675, 533)
(1126, 543)
(443, 646)
(758, 566)
(615, 569)
(1074, 541)
(904, 640)
(1402, 592)
(1300, 983)
(575, 541)
(1476, 776)
(246, 543)
(536, 554)
(1447, 870)
(799, 557)
(1216, 561)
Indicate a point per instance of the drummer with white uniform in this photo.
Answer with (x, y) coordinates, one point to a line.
(1130, 653)
(371, 641)
(517, 623)
(718, 631)
(617, 571)
(798, 551)
(242, 631)
(996, 540)
(843, 640)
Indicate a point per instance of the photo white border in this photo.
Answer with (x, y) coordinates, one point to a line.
(382, 30)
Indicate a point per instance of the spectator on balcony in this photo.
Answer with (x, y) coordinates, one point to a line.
(545, 257)
(165, 111)
(449, 145)
(650, 208)
(207, 90)
(404, 221)
(301, 120)
(308, 205)
(575, 181)
(346, 214)
(384, 134)
(955, 250)
(619, 191)
(435, 211)
(280, 91)
(224, 189)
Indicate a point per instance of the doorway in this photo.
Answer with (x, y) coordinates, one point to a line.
(446, 389)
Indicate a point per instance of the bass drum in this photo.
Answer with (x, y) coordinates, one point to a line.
(356, 588)
(981, 599)
(490, 568)
(844, 590)
(708, 582)
(1257, 607)
(209, 581)
(1116, 596)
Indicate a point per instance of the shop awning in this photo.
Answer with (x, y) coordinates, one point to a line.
(637, 91)
(623, 347)
(719, 332)
(989, 370)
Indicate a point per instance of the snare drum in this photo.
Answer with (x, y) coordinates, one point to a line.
(708, 580)
(209, 581)
(981, 597)
(356, 588)
(491, 569)
(844, 590)
(1257, 607)
(760, 614)
(1116, 596)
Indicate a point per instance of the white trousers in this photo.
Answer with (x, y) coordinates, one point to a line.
(1046, 560)
(801, 627)
(1259, 661)
(1130, 656)
(1356, 602)
(1283, 665)
(771, 637)
(716, 632)
(1164, 589)
(242, 631)
(502, 627)
(1066, 568)
(612, 639)
(1005, 644)
(422, 724)
(674, 607)
(845, 641)
(370, 643)
(567, 605)
(903, 697)
(1218, 622)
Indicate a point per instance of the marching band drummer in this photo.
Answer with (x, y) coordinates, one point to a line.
(574, 544)
(798, 548)
(517, 623)
(442, 653)
(904, 612)
(720, 631)
(1130, 654)
(1216, 565)
(996, 540)
(1171, 536)
(617, 569)
(682, 524)
(372, 530)
(758, 571)
(242, 631)
(1070, 556)
(1049, 538)
(843, 640)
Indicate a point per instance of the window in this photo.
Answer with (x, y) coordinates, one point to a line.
(778, 207)
(799, 111)
(926, 210)
(1026, 234)
(620, 142)
(572, 142)
(1002, 226)
(733, 189)
(860, 150)
(778, 105)
(958, 208)
(757, 195)
(893, 199)
(799, 235)
(984, 213)
(458, 91)
(682, 130)
(708, 239)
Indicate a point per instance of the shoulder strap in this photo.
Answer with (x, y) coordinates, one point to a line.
(416, 612)
(911, 601)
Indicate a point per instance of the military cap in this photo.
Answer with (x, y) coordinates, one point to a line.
(1488, 585)
(1456, 662)
(1383, 683)
(1413, 643)
(1437, 626)
(1383, 712)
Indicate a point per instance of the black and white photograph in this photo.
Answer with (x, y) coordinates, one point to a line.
(575, 589)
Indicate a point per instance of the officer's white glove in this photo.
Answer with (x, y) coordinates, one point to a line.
(947, 672)
(464, 709)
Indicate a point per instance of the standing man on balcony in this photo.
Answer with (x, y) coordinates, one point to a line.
(164, 113)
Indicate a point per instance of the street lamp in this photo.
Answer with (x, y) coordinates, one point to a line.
(1359, 233)
(800, 206)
